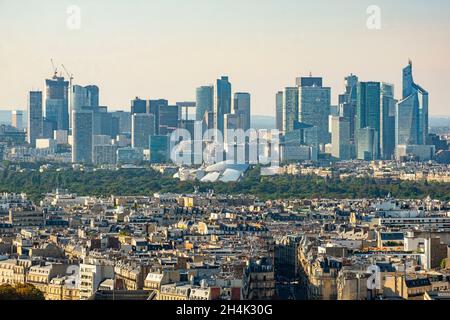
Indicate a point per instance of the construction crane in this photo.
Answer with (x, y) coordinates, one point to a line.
(55, 70)
(69, 75)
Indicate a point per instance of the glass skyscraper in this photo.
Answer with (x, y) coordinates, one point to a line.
(222, 102)
(315, 102)
(84, 97)
(205, 101)
(159, 147)
(348, 101)
(35, 119)
(412, 112)
(57, 102)
(241, 108)
(154, 107)
(82, 121)
(368, 115)
(169, 117)
(279, 111)
(124, 121)
(290, 109)
(142, 127)
(387, 125)
(340, 136)
(138, 106)
(367, 144)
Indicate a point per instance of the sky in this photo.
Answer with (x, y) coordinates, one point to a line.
(166, 48)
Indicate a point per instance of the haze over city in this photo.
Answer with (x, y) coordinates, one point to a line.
(229, 158)
(165, 49)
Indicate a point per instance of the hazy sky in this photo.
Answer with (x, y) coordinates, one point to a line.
(167, 48)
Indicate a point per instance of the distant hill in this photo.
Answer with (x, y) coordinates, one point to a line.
(440, 121)
(263, 122)
(258, 122)
(5, 116)
(268, 122)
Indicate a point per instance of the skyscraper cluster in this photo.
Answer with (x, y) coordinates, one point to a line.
(220, 109)
(70, 115)
(302, 117)
(368, 124)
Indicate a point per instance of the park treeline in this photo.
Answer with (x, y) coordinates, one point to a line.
(146, 182)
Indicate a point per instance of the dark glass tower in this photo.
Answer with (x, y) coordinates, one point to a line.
(368, 114)
(387, 126)
(222, 102)
(57, 102)
(35, 119)
(412, 125)
(205, 101)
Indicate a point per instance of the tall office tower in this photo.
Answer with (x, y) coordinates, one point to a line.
(82, 121)
(17, 119)
(184, 110)
(340, 138)
(169, 117)
(368, 109)
(300, 143)
(310, 135)
(142, 127)
(222, 102)
(290, 109)
(279, 111)
(159, 147)
(93, 96)
(367, 144)
(84, 97)
(205, 101)
(57, 102)
(35, 120)
(412, 112)
(48, 128)
(231, 122)
(154, 107)
(190, 126)
(348, 101)
(105, 124)
(124, 121)
(315, 102)
(242, 109)
(387, 125)
(208, 121)
(138, 106)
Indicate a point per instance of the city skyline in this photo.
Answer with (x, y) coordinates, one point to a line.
(260, 54)
(224, 156)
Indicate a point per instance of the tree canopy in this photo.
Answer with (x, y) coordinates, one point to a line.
(128, 182)
(22, 291)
